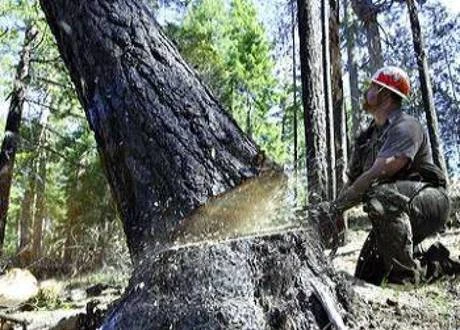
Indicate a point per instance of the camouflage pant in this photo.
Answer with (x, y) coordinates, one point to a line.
(403, 214)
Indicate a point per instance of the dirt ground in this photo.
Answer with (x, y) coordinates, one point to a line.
(429, 306)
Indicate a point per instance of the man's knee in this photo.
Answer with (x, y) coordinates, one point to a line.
(387, 210)
(384, 202)
(429, 212)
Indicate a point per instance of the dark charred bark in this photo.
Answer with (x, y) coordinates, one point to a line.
(166, 143)
(267, 282)
(340, 119)
(331, 177)
(350, 32)
(367, 12)
(425, 84)
(13, 122)
(309, 19)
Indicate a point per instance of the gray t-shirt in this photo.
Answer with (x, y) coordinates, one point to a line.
(401, 135)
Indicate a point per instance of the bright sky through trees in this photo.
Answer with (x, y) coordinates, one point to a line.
(453, 5)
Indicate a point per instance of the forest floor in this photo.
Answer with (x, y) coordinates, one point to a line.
(430, 306)
(60, 301)
(427, 306)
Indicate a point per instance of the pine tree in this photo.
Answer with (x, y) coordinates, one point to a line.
(309, 18)
(425, 83)
(11, 137)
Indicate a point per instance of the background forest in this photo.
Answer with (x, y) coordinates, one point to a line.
(61, 216)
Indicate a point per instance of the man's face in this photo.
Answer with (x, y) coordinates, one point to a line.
(371, 97)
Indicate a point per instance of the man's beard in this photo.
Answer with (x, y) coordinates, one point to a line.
(366, 106)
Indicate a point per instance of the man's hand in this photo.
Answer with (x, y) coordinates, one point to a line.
(382, 168)
(331, 224)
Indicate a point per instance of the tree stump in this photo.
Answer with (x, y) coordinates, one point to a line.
(263, 282)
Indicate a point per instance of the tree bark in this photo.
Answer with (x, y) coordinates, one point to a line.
(73, 213)
(350, 32)
(451, 78)
(340, 119)
(272, 289)
(309, 19)
(425, 84)
(40, 203)
(166, 143)
(331, 174)
(26, 220)
(367, 12)
(13, 122)
(248, 117)
(294, 81)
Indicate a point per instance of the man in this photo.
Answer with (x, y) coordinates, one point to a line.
(392, 172)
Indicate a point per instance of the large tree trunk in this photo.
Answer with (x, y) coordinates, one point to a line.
(167, 147)
(13, 122)
(340, 119)
(309, 18)
(331, 179)
(367, 12)
(350, 33)
(340, 141)
(425, 84)
(166, 144)
(294, 80)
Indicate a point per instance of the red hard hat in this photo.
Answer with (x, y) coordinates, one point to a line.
(393, 78)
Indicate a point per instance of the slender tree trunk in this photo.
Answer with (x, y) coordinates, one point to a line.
(425, 84)
(13, 122)
(26, 220)
(340, 119)
(331, 174)
(451, 79)
(283, 123)
(73, 214)
(309, 19)
(367, 12)
(294, 81)
(248, 117)
(374, 44)
(350, 32)
(40, 204)
(456, 131)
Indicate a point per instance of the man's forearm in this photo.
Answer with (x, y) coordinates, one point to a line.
(382, 168)
(353, 195)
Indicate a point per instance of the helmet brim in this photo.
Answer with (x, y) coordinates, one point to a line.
(394, 90)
